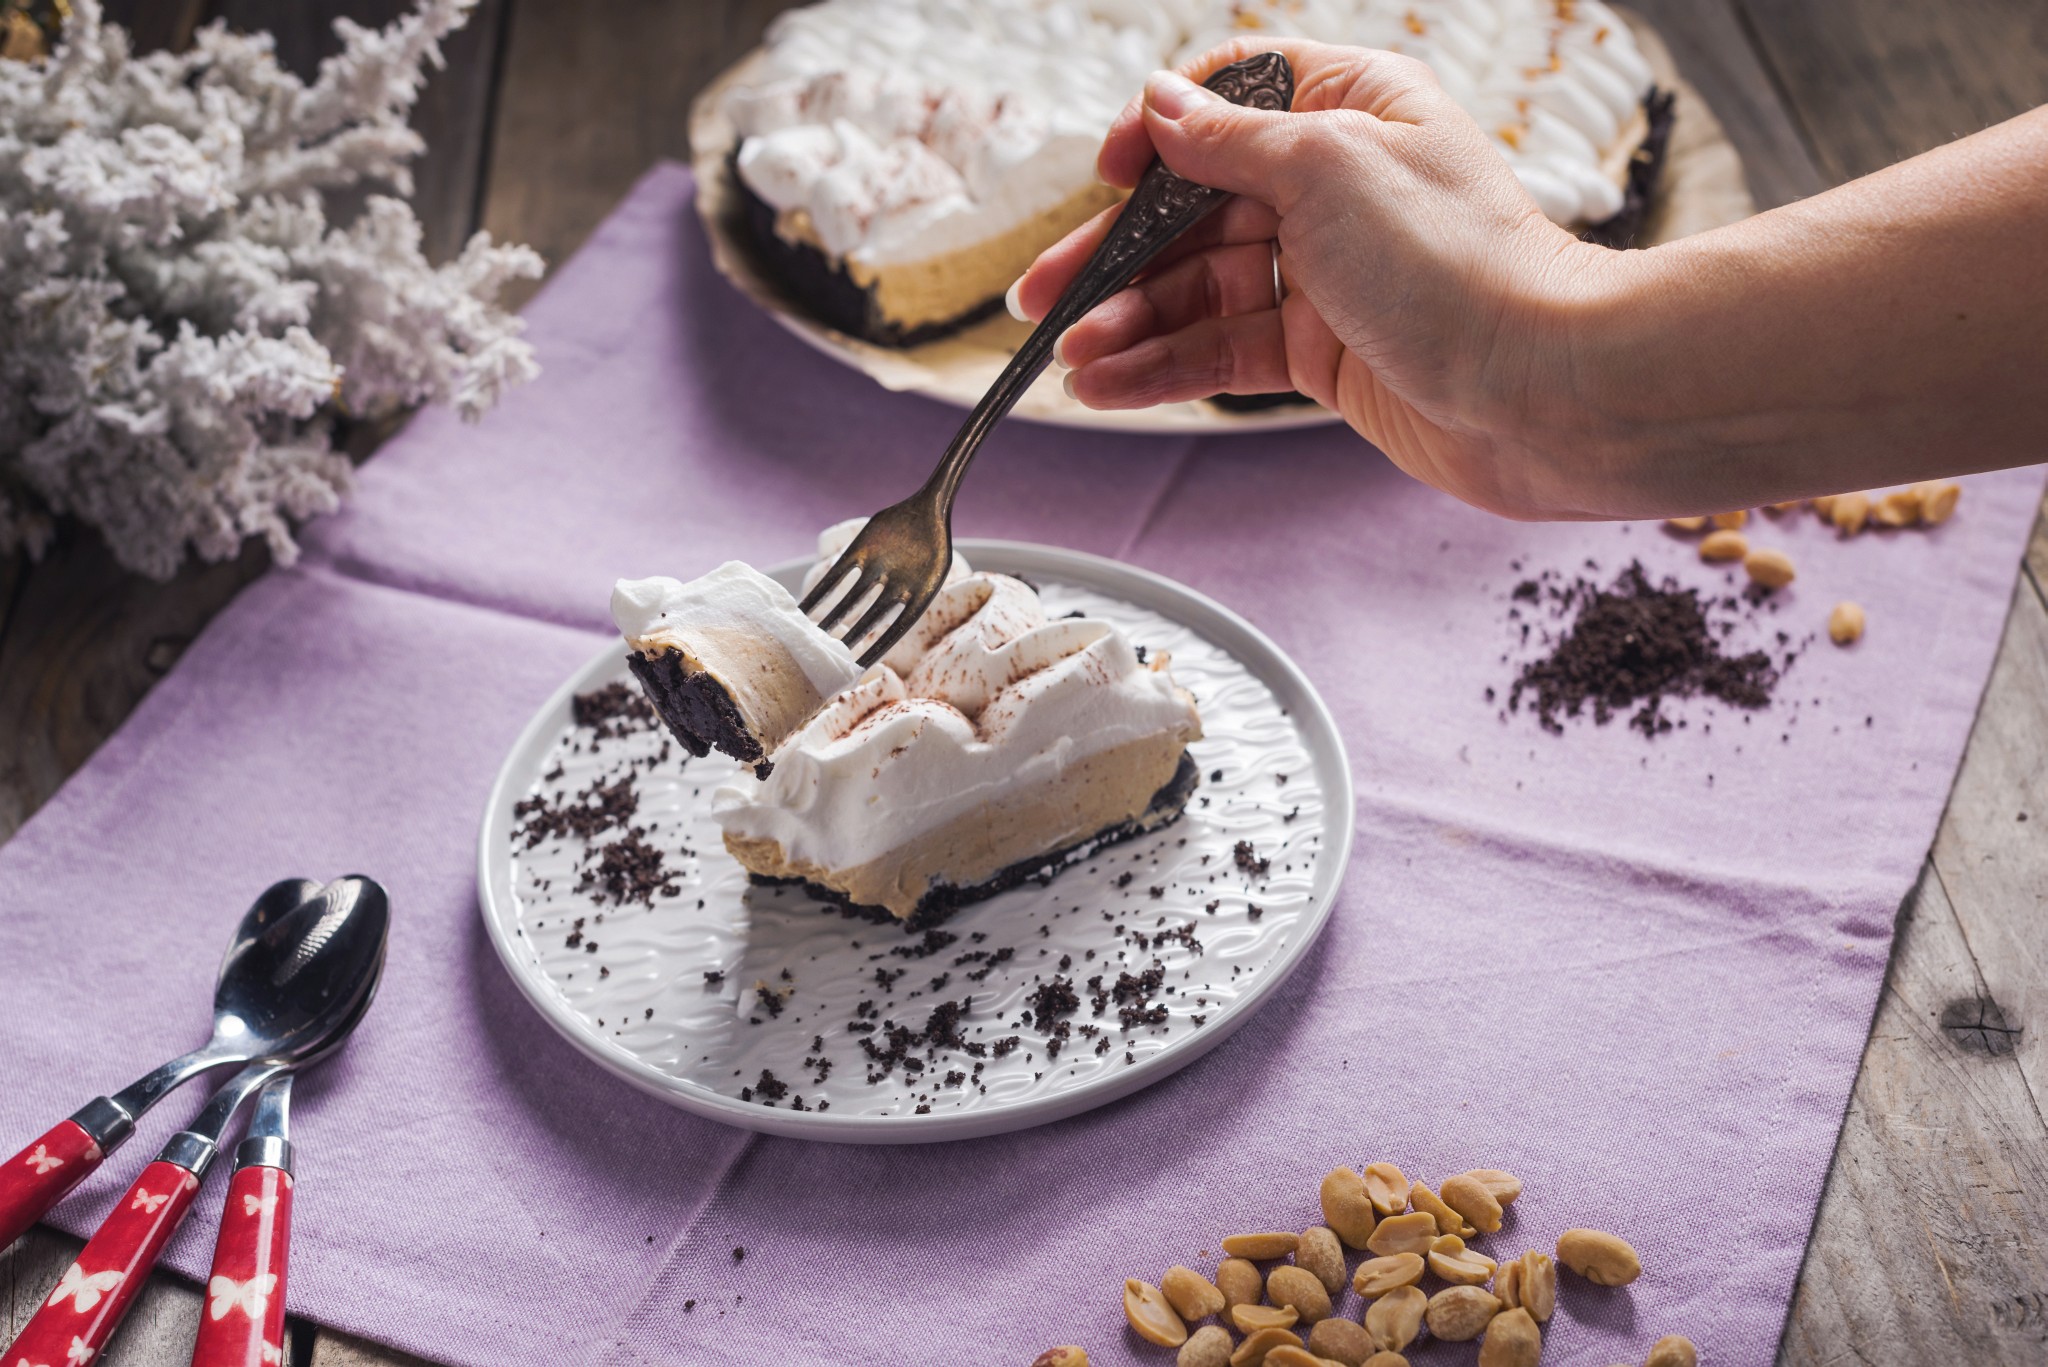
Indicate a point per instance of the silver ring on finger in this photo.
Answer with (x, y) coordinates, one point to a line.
(1279, 284)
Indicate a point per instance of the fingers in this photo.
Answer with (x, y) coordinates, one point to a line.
(1246, 354)
(1204, 137)
(1239, 220)
(1224, 282)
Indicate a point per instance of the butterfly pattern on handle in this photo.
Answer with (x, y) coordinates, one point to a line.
(71, 1327)
(83, 1289)
(37, 1178)
(249, 1297)
(243, 1322)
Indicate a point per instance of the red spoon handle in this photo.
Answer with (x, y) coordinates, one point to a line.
(78, 1318)
(243, 1322)
(36, 1178)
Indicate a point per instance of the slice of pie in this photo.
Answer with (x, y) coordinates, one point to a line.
(993, 744)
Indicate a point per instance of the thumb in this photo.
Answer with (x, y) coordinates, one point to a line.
(1205, 138)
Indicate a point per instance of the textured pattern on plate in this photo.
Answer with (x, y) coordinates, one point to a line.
(766, 994)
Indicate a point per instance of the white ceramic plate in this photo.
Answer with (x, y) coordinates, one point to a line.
(626, 982)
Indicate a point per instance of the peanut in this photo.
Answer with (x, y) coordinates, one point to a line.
(1208, 1346)
(1249, 1319)
(1066, 1355)
(1259, 1247)
(1780, 509)
(1539, 1286)
(1239, 1282)
(1388, 1188)
(1410, 1233)
(1771, 568)
(1469, 1198)
(1287, 1355)
(1899, 508)
(1512, 1340)
(1378, 1276)
(1457, 1264)
(1536, 1285)
(1685, 524)
(1146, 1308)
(1938, 498)
(1601, 1258)
(1507, 1283)
(1505, 1186)
(1341, 1340)
(1823, 505)
(1845, 623)
(1347, 1207)
(1460, 1313)
(1395, 1318)
(1673, 1350)
(1386, 1360)
(1731, 521)
(1253, 1350)
(1724, 545)
(1322, 1255)
(1299, 1289)
(1849, 513)
(1447, 1220)
(1192, 1296)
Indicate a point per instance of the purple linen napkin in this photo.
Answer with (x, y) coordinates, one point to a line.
(1637, 973)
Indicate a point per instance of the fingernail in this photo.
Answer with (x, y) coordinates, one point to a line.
(1059, 352)
(1172, 95)
(1067, 383)
(1010, 300)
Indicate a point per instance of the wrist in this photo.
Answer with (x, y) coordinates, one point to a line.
(1570, 409)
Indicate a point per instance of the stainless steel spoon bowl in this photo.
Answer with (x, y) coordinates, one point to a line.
(303, 958)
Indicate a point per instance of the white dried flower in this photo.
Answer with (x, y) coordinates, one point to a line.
(179, 320)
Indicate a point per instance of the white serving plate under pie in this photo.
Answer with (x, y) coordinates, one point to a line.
(667, 993)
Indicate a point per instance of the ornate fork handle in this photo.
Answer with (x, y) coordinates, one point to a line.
(1162, 208)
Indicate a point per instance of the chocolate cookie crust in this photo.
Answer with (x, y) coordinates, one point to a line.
(697, 709)
(823, 287)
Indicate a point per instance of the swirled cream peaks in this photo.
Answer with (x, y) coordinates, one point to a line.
(993, 744)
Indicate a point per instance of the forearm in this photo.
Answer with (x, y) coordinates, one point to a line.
(1893, 329)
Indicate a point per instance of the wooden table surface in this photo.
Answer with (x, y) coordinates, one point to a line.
(1929, 1246)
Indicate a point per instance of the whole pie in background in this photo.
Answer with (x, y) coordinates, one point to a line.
(901, 162)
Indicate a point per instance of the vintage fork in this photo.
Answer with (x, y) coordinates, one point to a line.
(906, 549)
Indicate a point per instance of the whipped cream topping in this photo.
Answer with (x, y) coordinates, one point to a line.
(985, 695)
(906, 129)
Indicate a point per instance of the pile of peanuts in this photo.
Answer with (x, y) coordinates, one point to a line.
(1927, 504)
(1411, 1232)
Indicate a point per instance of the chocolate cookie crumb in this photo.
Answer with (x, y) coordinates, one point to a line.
(1633, 645)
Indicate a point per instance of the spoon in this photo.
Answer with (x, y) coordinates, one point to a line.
(301, 950)
(95, 1292)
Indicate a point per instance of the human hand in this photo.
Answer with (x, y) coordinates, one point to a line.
(1428, 300)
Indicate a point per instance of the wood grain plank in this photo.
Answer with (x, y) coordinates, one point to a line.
(1874, 81)
(83, 642)
(590, 99)
(1712, 52)
(454, 109)
(1992, 851)
(344, 1350)
(1928, 1247)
